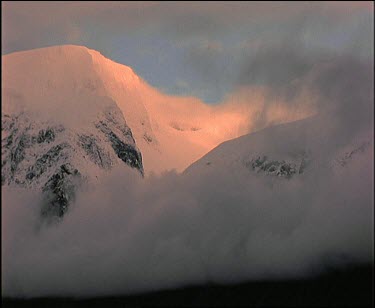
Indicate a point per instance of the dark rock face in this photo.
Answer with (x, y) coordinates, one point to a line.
(126, 153)
(47, 135)
(18, 153)
(121, 139)
(46, 161)
(33, 158)
(147, 138)
(344, 160)
(44, 156)
(60, 190)
(94, 151)
(274, 167)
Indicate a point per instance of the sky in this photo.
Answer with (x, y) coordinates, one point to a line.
(205, 49)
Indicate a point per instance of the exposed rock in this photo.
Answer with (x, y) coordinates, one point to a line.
(47, 135)
(41, 155)
(274, 167)
(147, 138)
(94, 151)
(347, 157)
(126, 153)
(122, 143)
(60, 191)
(46, 161)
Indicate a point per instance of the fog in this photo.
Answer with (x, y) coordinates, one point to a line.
(130, 234)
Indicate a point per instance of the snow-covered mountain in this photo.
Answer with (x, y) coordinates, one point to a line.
(56, 131)
(287, 150)
(171, 131)
(69, 114)
(56, 156)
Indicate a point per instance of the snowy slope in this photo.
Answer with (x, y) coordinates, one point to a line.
(94, 110)
(57, 131)
(171, 132)
(287, 150)
(56, 158)
(69, 114)
(295, 191)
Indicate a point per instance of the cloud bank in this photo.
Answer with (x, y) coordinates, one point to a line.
(130, 235)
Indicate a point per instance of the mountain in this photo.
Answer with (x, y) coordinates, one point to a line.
(57, 155)
(170, 131)
(288, 150)
(69, 114)
(57, 133)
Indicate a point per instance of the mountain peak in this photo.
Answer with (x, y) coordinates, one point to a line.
(60, 124)
(70, 84)
(63, 57)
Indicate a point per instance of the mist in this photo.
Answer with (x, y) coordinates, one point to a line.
(129, 234)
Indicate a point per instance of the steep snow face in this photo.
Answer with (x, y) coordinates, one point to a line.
(57, 130)
(171, 131)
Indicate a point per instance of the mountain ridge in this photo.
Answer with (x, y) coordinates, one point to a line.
(104, 113)
(171, 131)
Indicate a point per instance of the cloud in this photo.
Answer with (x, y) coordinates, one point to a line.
(128, 235)
(284, 81)
(38, 24)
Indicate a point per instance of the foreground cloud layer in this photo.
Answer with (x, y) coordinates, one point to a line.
(130, 234)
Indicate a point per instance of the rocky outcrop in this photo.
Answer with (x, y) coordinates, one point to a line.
(60, 190)
(280, 168)
(57, 160)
